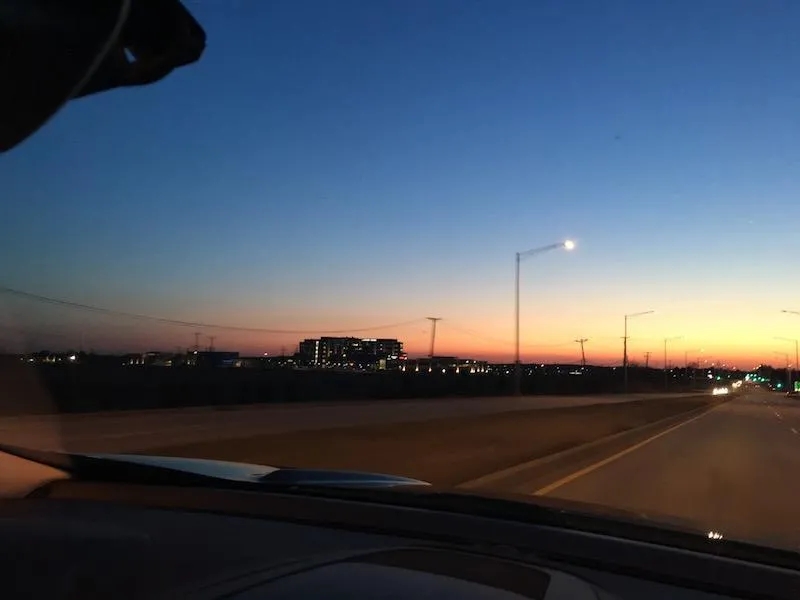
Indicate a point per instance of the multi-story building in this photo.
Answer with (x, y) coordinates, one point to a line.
(382, 347)
(350, 352)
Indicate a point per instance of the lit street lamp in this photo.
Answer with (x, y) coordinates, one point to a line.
(796, 361)
(668, 339)
(625, 346)
(696, 365)
(796, 343)
(788, 373)
(566, 245)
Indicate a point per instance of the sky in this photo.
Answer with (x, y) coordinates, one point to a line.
(350, 165)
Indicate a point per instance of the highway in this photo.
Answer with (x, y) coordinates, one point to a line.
(734, 470)
(132, 431)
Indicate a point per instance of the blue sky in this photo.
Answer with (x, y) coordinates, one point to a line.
(342, 164)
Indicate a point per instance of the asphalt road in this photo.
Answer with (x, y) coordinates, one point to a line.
(139, 430)
(733, 470)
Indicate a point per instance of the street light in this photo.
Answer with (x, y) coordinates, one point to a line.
(788, 375)
(566, 245)
(796, 361)
(625, 346)
(668, 339)
(694, 368)
(796, 354)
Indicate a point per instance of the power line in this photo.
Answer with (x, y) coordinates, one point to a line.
(489, 338)
(194, 324)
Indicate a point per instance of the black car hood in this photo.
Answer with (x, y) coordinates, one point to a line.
(198, 471)
(335, 478)
(384, 488)
(562, 511)
(251, 473)
(576, 507)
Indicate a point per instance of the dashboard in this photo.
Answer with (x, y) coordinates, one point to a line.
(76, 539)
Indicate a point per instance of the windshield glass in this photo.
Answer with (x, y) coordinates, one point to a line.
(534, 248)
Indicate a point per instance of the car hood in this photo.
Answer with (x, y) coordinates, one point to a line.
(203, 471)
(249, 473)
(627, 515)
(252, 473)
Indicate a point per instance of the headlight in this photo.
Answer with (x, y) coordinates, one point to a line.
(718, 391)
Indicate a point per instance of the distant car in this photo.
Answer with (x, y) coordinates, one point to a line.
(792, 393)
(720, 391)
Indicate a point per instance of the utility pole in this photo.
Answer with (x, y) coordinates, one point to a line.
(625, 347)
(211, 339)
(625, 353)
(433, 333)
(666, 362)
(196, 342)
(788, 372)
(647, 360)
(582, 341)
(796, 365)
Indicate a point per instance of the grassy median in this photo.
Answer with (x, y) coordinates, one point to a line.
(443, 451)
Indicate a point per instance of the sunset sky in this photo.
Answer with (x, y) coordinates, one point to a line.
(338, 166)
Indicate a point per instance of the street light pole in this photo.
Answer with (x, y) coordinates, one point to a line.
(788, 374)
(796, 353)
(668, 339)
(695, 366)
(625, 347)
(625, 352)
(796, 357)
(517, 366)
(567, 245)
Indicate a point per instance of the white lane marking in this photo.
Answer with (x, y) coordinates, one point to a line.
(777, 414)
(794, 431)
(586, 470)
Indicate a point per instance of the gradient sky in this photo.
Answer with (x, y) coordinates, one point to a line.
(343, 165)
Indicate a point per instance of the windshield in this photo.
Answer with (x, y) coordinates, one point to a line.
(532, 248)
